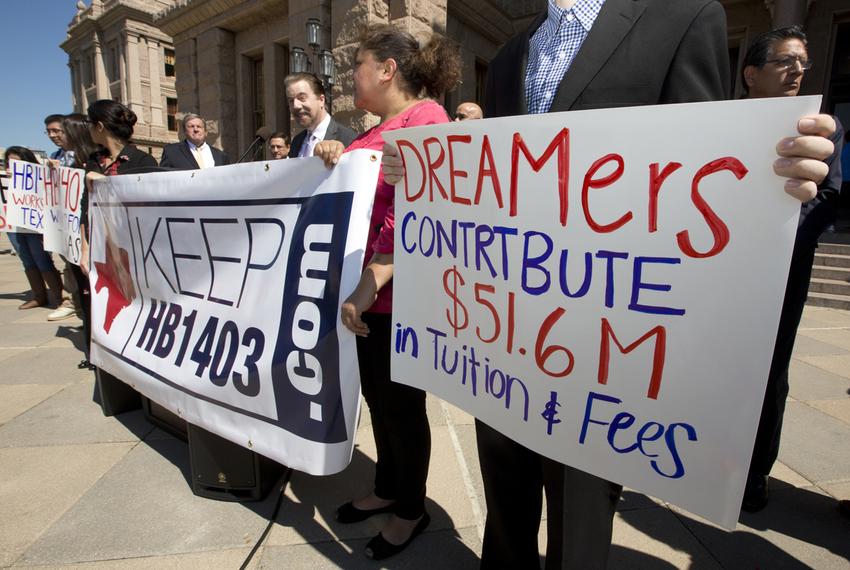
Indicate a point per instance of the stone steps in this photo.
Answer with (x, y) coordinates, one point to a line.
(830, 284)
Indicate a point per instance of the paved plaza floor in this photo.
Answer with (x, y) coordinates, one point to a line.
(80, 490)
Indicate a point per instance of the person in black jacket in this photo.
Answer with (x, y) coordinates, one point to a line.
(111, 128)
(774, 66)
(193, 152)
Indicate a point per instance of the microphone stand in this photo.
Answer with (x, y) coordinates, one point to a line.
(257, 139)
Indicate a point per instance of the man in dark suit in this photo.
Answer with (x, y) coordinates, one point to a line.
(306, 97)
(585, 54)
(774, 66)
(193, 152)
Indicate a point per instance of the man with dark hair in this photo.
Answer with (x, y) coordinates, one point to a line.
(279, 144)
(774, 67)
(193, 152)
(54, 131)
(763, 51)
(306, 97)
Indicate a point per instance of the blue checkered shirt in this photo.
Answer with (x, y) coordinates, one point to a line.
(552, 49)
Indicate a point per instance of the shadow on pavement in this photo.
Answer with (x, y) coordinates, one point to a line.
(805, 515)
(22, 296)
(74, 334)
(319, 497)
(793, 513)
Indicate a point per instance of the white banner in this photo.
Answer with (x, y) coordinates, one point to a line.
(216, 293)
(603, 287)
(47, 200)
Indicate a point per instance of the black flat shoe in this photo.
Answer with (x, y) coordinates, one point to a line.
(83, 364)
(349, 514)
(379, 548)
(756, 494)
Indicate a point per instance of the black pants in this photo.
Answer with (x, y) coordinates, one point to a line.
(83, 296)
(766, 446)
(399, 423)
(580, 508)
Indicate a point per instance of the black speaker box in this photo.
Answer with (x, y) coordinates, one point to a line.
(164, 419)
(226, 471)
(113, 395)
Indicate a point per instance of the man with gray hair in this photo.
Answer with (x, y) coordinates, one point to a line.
(193, 152)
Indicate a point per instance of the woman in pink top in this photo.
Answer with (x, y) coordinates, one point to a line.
(395, 79)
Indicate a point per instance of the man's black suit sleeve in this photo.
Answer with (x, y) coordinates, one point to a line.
(166, 161)
(700, 68)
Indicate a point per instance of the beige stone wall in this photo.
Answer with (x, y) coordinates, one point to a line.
(125, 54)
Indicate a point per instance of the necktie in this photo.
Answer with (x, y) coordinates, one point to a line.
(309, 143)
(199, 157)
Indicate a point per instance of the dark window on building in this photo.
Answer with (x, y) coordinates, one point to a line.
(169, 62)
(258, 106)
(88, 69)
(113, 62)
(171, 113)
(480, 81)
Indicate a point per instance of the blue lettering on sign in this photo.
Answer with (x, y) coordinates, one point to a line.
(497, 383)
(619, 425)
(306, 370)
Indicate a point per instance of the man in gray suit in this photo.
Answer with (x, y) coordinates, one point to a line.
(306, 97)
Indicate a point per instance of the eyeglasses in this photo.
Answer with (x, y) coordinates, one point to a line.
(787, 63)
(54, 132)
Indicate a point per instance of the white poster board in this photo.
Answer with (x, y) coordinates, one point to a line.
(216, 293)
(603, 287)
(46, 200)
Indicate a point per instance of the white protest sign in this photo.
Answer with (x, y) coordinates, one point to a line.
(5, 226)
(46, 200)
(216, 293)
(603, 287)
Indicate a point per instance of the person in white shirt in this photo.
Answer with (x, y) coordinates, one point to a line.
(193, 152)
(305, 95)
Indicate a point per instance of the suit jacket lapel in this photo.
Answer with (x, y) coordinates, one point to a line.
(330, 134)
(188, 153)
(615, 20)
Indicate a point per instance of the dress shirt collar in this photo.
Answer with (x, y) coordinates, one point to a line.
(585, 11)
(322, 128)
(193, 147)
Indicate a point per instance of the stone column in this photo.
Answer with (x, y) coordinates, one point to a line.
(101, 81)
(419, 16)
(788, 12)
(81, 87)
(155, 72)
(217, 87)
(347, 17)
(186, 68)
(122, 68)
(134, 77)
(75, 99)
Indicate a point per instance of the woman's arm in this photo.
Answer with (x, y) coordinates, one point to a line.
(378, 273)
